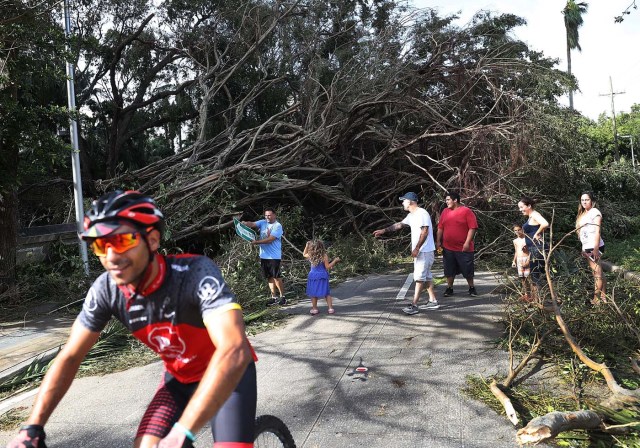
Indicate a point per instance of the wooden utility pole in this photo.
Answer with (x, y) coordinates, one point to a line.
(616, 151)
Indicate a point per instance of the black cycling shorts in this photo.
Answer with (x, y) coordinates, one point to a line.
(234, 422)
(457, 262)
(270, 268)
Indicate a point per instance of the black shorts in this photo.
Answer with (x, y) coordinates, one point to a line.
(537, 264)
(457, 262)
(270, 268)
(234, 422)
(589, 251)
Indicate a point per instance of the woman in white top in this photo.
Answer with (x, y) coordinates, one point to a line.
(588, 226)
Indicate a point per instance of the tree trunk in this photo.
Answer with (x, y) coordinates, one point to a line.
(8, 196)
(569, 72)
(9, 234)
(119, 127)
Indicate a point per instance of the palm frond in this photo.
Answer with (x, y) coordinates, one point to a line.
(573, 20)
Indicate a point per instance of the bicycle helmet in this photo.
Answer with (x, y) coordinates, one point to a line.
(112, 210)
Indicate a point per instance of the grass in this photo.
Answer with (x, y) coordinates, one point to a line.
(529, 402)
(625, 253)
(114, 352)
(12, 419)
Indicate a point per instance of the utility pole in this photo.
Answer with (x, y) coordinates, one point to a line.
(75, 150)
(611, 93)
(633, 156)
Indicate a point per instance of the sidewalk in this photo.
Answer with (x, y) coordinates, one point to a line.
(23, 341)
(409, 397)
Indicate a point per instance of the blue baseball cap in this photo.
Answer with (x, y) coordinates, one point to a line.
(409, 195)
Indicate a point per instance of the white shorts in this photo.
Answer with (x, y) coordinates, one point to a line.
(422, 266)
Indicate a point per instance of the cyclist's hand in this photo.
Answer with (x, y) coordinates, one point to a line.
(175, 439)
(30, 436)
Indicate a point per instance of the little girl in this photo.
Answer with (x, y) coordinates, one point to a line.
(318, 280)
(521, 259)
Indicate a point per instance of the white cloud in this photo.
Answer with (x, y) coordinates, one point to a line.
(608, 48)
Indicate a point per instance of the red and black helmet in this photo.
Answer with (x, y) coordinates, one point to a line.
(119, 207)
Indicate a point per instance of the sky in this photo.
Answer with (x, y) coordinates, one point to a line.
(609, 49)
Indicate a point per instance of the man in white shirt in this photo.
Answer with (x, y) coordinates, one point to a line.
(422, 249)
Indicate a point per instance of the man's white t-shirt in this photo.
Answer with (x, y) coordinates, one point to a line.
(416, 220)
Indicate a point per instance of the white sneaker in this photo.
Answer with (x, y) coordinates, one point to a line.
(411, 309)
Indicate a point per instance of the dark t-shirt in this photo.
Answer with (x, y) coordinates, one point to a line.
(170, 318)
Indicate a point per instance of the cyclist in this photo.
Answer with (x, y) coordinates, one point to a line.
(179, 306)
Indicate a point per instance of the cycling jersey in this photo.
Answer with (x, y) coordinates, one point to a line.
(170, 315)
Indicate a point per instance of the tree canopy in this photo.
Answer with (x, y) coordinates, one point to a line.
(218, 108)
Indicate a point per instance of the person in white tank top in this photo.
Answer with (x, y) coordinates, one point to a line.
(588, 227)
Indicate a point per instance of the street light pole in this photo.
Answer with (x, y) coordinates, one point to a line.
(75, 151)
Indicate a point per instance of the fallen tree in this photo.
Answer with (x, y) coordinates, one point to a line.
(548, 426)
(456, 109)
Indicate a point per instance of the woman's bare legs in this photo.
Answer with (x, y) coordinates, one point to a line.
(599, 294)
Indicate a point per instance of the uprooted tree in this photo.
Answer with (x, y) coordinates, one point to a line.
(344, 110)
(331, 106)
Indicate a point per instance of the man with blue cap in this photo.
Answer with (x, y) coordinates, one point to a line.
(422, 249)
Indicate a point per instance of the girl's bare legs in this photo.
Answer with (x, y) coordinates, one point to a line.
(314, 303)
(329, 301)
(534, 292)
(600, 283)
(525, 289)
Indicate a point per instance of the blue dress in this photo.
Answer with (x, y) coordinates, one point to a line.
(318, 281)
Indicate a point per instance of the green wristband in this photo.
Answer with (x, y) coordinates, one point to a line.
(185, 431)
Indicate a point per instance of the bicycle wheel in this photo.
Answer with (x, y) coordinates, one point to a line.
(271, 432)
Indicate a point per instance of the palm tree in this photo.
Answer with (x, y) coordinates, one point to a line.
(572, 21)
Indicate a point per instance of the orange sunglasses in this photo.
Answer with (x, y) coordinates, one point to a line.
(120, 243)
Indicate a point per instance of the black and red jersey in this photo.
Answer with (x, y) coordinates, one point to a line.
(170, 315)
